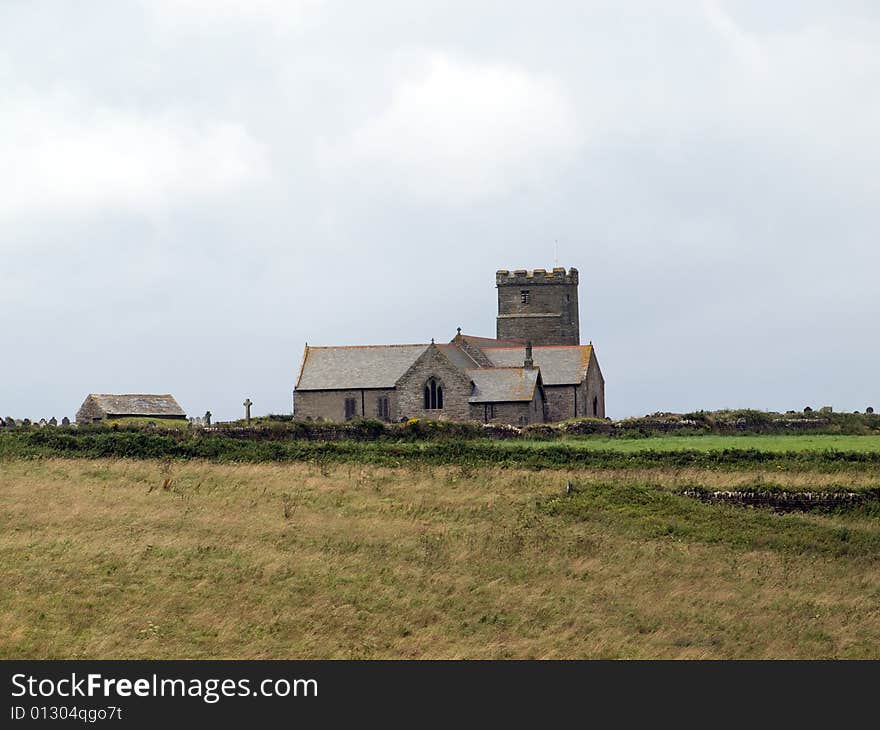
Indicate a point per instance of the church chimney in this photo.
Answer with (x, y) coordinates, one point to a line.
(529, 364)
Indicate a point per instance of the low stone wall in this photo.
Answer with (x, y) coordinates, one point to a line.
(782, 501)
(278, 428)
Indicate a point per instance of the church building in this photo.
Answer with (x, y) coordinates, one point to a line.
(535, 370)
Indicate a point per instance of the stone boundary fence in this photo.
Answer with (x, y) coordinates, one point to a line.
(659, 424)
(783, 501)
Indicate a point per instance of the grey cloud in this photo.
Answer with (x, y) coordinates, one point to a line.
(717, 192)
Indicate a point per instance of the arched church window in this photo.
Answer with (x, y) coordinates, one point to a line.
(433, 395)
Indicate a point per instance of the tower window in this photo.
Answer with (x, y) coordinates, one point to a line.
(524, 296)
(433, 395)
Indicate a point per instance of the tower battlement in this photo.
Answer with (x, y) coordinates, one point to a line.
(558, 275)
(538, 305)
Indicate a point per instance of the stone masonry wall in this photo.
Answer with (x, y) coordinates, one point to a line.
(456, 389)
(547, 330)
(595, 388)
(329, 405)
(516, 414)
(550, 293)
(560, 402)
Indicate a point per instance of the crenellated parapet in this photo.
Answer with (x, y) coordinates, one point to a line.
(526, 277)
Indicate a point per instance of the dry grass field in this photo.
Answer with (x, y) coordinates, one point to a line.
(191, 559)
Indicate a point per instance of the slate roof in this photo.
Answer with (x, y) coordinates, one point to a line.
(483, 342)
(559, 364)
(458, 357)
(137, 404)
(502, 385)
(381, 366)
(355, 367)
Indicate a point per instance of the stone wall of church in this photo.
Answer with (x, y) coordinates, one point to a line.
(561, 402)
(456, 389)
(329, 405)
(594, 386)
(516, 414)
(576, 401)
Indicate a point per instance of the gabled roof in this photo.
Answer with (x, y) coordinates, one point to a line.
(137, 404)
(503, 385)
(458, 357)
(354, 367)
(559, 364)
(482, 342)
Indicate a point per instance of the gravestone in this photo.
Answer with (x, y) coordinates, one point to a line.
(247, 410)
(26, 422)
(53, 421)
(65, 421)
(10, 422)
(2, 423)
(43, 423)
(207, 418)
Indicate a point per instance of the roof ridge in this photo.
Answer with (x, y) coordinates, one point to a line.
(540, 347)
(504, 367)
(491, 339)
(352, 347)
(121, 395)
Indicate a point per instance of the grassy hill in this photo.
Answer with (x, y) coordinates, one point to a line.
(339, 557)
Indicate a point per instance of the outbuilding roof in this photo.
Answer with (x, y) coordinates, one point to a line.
(137, 404)
(559, 364)
(503, 385)
(355, 367)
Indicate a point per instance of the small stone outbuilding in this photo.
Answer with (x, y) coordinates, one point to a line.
(99, 407)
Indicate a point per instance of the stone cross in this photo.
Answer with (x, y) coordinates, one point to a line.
(207, 418)
(247, 410)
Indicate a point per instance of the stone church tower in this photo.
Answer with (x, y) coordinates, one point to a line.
(538, 306)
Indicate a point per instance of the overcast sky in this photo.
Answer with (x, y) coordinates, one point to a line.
(192, 189)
